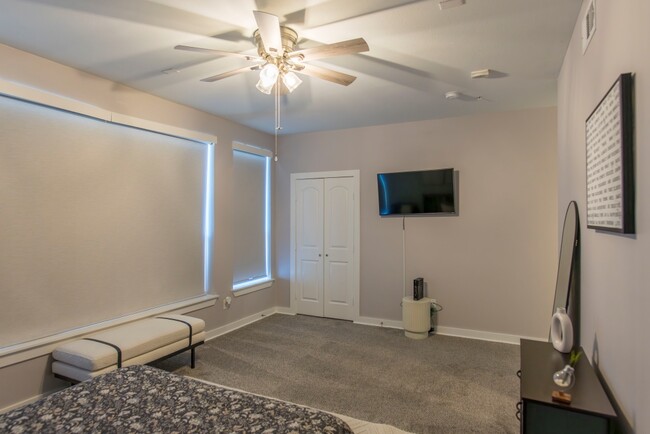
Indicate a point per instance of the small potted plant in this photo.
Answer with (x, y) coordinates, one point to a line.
(566, 376)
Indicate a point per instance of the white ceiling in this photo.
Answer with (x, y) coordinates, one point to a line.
(417, 53)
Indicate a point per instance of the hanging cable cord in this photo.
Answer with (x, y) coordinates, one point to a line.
(435, 307)
(403, 256)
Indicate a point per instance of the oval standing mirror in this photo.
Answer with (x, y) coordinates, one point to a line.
(566, 288)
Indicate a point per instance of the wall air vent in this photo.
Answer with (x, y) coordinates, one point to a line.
(588, 25)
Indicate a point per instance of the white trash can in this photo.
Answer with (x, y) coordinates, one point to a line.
(416, 317)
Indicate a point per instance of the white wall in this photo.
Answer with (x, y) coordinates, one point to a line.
(28, 379)
(615, 271)
(493, 267)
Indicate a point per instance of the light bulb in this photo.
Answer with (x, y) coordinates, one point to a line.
(291, 81)
(268, 78)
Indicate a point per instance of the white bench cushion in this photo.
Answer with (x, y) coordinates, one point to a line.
(133, 339)
(79, 374)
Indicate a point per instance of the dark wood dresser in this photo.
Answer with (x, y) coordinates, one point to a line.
(590, 410)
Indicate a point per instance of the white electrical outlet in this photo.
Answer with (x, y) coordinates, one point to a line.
(226, 302)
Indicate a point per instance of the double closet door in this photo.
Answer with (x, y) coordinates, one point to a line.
(325, 270)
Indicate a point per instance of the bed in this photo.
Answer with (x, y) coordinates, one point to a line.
(149, 400)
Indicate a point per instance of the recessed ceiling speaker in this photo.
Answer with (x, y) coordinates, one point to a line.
(447, 4)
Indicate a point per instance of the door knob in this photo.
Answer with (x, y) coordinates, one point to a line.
(327, 254)
(319, 255)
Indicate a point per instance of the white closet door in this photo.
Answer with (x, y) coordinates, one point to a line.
(339, 248)
(309, 246)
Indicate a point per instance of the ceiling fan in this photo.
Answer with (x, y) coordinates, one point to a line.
(279, 59)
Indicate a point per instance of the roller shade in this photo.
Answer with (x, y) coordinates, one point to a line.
(250, 177)
(97, 220)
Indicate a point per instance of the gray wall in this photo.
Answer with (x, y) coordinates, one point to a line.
(493, 267)
(615, 272)
(31, 378)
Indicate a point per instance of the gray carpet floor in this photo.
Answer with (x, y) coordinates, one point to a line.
(438, 385)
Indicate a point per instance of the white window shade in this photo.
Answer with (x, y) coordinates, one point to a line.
(97, 221)
(250, 208)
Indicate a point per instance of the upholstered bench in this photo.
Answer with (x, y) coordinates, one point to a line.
(135, 343)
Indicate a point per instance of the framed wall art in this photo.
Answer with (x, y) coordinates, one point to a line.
(610, 160)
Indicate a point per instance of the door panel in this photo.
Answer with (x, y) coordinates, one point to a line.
(339, 248)
(309, 246)
(311, 220)
(338, 282)
(310, 276)
(337, 209)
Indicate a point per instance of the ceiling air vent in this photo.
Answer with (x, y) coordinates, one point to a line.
(447, 4)
(588, 25)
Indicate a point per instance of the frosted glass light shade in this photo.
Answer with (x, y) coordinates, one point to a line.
(291, 81)
(268, 78)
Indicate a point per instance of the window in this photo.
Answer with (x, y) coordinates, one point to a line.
(100, 222)
(251, 218)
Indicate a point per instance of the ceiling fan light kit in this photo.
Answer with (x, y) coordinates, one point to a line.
(279, 60)
(276, 45)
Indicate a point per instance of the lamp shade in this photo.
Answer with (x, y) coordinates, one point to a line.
(268, 77)
(291, 80)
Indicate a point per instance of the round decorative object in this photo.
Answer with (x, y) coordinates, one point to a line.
(565, 377)
(561, 331)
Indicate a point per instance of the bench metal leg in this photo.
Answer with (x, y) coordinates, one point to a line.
(193, 358)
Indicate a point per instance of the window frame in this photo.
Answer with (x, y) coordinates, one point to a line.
(35, 348)
(267, 281)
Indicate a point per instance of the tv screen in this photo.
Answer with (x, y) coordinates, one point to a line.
(420, 192)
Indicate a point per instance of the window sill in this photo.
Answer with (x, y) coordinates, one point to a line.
(253, 287)
(39, 347)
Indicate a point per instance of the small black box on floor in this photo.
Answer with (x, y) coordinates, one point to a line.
(418, 288)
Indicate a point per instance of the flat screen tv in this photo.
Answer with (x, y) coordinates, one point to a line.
(417, 193)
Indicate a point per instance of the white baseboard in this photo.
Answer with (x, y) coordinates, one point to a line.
(29, 400)
(390, 323)
(284, 310)
(380, 322)
(481, 335)
(211, 334)
(451, 331)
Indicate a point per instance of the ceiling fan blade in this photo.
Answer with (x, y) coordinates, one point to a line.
(333, 11)
(280, 7)
(217, 52)
(351, 46)
(327, 74)
(269, 26)
(231, 73)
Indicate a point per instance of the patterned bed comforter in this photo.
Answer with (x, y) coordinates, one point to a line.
(149, 400)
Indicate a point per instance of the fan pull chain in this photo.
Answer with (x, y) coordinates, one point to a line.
(277, 117)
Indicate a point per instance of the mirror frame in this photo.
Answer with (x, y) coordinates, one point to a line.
(567, 286)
